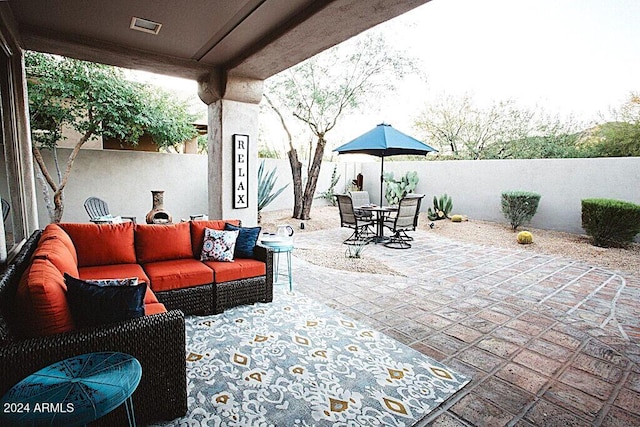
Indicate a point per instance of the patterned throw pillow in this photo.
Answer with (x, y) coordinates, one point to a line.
(129, 281)
(218, 245)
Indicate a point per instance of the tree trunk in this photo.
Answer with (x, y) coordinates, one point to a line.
(55, 214)
(58, 204)
(294, 162)
(296, 174)
(312, 179)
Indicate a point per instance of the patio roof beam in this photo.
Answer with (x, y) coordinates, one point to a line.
(320, 26)
(112, 54)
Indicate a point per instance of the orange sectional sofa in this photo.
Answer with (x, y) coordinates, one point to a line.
(165, 257)
(36, 323)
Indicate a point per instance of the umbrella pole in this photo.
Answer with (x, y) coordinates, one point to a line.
(381, 179)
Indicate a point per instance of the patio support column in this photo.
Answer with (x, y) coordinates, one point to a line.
(232, 109)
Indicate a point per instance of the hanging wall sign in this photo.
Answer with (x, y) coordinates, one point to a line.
(240, 171)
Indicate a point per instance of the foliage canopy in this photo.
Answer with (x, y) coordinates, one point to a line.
(619, 138)
(97, 99)
(503, 130)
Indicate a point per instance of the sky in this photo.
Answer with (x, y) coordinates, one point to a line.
(570, 57)
(575, 57)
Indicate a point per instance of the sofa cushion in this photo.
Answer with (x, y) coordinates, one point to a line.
(54, 231)
(54, 250)
(218, 245)
(42, 301)
(246, 241)
(154, 308)
(161, 242)
(113, 271)
(95, 303)
(177, 274)
(197, 232)
(240, 268)
(102, 244)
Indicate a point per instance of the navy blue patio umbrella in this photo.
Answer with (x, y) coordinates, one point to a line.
(383, 141)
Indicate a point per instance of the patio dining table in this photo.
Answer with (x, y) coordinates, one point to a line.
(381, 213)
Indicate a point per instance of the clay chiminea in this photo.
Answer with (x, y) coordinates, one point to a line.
(157, 214)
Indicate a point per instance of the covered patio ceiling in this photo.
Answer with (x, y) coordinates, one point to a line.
(250, 38)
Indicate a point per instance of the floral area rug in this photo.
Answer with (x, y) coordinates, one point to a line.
(296, 362)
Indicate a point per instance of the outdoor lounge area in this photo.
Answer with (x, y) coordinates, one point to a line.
(523, 338)
(182, 319)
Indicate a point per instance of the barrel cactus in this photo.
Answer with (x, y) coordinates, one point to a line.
(456, 218)
(525, 238)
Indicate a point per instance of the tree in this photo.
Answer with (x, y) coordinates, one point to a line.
(549, 137)
(444, 122)
(620, 138)
(95, 100)
(321, 90)
(499, 131)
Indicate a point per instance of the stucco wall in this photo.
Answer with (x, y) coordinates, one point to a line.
(125, 181)
(476, 185)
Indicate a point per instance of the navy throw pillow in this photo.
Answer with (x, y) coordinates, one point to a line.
(92, 304)
(246, 241)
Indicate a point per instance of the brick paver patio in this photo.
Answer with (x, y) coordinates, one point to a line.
(548, 341)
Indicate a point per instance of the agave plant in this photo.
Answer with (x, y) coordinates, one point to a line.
(355, 249)
(266, 194)
(441, 208)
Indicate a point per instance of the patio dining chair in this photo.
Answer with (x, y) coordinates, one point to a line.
(362, 232)
(405, 220)
(360, 198)
(415, 219)
(97, 208)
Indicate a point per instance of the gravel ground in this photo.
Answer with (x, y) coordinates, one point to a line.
(570, 245)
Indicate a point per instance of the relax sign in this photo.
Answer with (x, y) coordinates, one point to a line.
(240, 171)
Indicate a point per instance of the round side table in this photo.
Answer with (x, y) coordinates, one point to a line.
(281, 248)
(74, 391)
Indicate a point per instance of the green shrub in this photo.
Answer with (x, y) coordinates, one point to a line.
(610, 222)
(519, 206)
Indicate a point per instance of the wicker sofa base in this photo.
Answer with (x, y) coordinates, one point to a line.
(239, 292)
(157, 341)
(215, 298)
(194, 300)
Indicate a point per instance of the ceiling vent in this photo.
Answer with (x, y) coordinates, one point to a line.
(145, 25)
